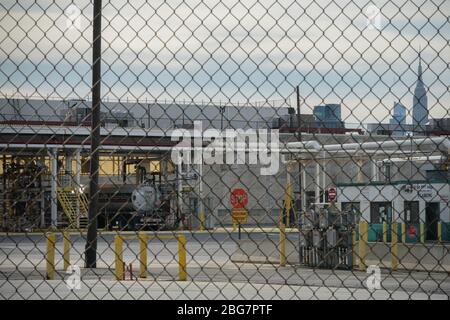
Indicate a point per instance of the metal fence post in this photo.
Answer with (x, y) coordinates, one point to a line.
(51, 242)
(91, 243)
(182, 257)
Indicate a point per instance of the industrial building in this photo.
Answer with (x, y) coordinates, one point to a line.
(45, 165)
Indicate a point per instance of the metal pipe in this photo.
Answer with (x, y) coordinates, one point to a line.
(53, 187)
(317, 182)
(415, 159)
(179, 194)
(303, 186)
(201, 204)
(5, 214)
(437, 141)
(78, 182)
(324, 168)
(398, 144)
(299, 120)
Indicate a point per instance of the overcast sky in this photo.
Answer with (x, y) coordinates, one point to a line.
(247, 51)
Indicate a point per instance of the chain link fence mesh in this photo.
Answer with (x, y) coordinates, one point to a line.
(246, 150)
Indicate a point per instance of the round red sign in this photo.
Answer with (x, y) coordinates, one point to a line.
(332, 194)
(412, 231)
(239, 198)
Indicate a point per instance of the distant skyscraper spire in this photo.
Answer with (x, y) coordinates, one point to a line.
(419, 71)
(420, 101)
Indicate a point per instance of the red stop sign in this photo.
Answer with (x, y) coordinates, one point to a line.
(412, 231)
(239, 198)
(332, 193)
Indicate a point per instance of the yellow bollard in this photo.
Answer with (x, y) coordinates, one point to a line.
(422, 233)
(394, 247)
(439, 232)
(202, 221)
(384, 232)
(353, 247)
(182, 257)
(403, 226)
(142, 255)
(118, 246)
(288, 219)
(66, 249)
(51, 242)
(363, 238)
(282, 245)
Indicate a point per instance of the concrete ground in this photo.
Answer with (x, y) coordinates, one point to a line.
(211, 273)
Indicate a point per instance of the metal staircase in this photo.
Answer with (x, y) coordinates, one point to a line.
(73, 202)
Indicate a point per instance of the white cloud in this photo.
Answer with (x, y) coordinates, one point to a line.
(206, 49)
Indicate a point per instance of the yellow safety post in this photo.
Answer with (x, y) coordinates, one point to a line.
(363, 239)
(403, 226)
(182, 257)
(51, 242)
(439, 232)
(202, 221)
(142, 254)
(394, 247)
(422, 233)
(353, 247)
(384, 232)
(288, 222)
(118, 245)
(282, 245)
(66, 249)
(288, 205)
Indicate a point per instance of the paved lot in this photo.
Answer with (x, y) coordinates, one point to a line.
(211, 273)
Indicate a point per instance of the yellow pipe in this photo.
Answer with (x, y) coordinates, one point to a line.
(118, 244)
(66, 249)
(384, 232)
(142, 255)
(394, 247)
(182, 258)
(51, 241)
(363, 237)
(282, 245)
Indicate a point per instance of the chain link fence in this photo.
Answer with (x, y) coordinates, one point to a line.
(224, 149)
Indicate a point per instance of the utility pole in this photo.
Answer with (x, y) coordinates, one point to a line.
(299, 137)
(91, 243)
